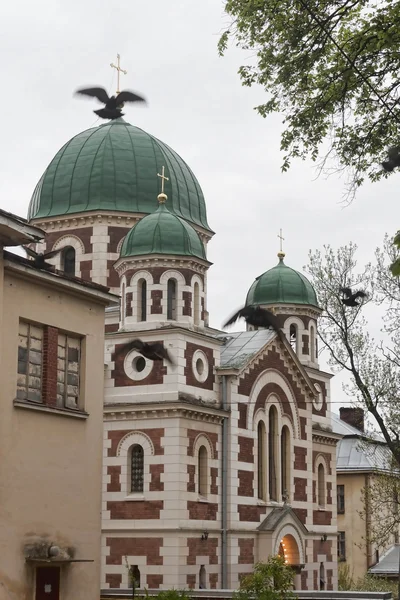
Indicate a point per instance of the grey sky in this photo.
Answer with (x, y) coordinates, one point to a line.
(197, 106)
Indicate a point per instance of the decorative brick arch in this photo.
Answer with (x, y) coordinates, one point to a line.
(142, 274)
(135, 437)
(203, 440)
(267, 377)
(70, 240)
(172, 274)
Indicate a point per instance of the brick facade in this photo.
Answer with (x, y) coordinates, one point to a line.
(191, 348)
(149, 547)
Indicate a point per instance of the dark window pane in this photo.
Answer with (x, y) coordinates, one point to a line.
(137, 469)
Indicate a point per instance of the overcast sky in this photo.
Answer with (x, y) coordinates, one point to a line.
(196, 105)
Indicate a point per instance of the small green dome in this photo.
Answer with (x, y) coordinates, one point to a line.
(114, 167)
(163, 233)
(282, 285)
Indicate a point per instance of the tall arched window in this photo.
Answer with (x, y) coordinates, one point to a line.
(137, 469)
(68, 260)
(321, 486)
(272, 453)
(202, 471)
(123, 308)
(312, 343)
(285, 463)
(202, 578)
(171, 299)
(322, 577)
(196, 304)
(261, 455)
(142, 300)
(293, 337)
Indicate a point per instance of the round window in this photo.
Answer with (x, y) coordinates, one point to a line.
(139, 364)
(199, 366)
(319, 400)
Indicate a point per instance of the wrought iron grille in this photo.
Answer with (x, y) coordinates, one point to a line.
(137, 469)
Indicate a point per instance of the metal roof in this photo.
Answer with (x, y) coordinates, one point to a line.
(388, 564)
(240, 347)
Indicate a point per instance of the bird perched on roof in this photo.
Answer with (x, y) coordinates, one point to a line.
(393, 159)
(350, 299)
(39, 258)
(155, 351)
(256, 316)
(113, 105)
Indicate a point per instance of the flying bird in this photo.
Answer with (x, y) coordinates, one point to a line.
(393, 159)
(113, 105)
(155, 351)
(350, 298)
(256, 316)
(39, 258)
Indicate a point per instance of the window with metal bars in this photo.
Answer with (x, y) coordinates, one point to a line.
(137, 468)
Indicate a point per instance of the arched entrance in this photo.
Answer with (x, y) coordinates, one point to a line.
(289, 549)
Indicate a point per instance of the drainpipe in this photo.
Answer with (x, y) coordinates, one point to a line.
(224, 490)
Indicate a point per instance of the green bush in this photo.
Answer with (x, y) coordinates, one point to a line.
(173, 595)
(272, 580)
(367, 583)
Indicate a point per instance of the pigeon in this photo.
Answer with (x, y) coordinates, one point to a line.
(39, 258)
(350, 298)
(155, 351)
(393, 159)
(113, 105)
(256, 316)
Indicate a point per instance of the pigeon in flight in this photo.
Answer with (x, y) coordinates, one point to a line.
(155, 351)
(393, 159)
(113, 105)
(256, 316)
(350, 299)
(39, 258)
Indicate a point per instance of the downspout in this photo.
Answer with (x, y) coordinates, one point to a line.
(224, 490)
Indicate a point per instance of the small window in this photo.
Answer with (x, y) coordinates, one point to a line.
(30, 357)
(322, 577)
(202, 471)
(341, 546)
(134, 577)
(340, 499)
(293, 337)
(69, 260)
(68, 370)
(171, 299)
(312, 344)
(142, 300)
(202, 578)
(196, 304)
(321, 486)
(137, 469)
(123, 304)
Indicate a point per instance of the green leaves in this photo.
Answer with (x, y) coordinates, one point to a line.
(271, 580)
(322, 95)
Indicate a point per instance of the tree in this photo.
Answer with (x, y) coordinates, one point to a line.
(374, 367)
(332, 68)
(272, 580)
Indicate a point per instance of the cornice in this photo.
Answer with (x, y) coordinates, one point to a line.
(164, 410)
(124, 265)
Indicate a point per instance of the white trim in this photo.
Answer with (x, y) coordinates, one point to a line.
(200, 355)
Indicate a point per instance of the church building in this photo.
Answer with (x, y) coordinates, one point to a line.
(227, 456)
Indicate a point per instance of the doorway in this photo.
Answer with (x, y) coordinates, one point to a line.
(47, 583)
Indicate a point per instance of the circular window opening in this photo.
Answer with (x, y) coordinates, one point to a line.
(199, 366)
(139, 364)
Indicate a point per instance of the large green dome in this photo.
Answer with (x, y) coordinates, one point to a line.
(114, 167)
(162, 233)
(282, 285)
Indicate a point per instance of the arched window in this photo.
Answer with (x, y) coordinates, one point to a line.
(68, 260)
(293, 337)
(261, 455)
(272, 453)
(202, 471)
(321, 486)
(202, 578)
(322, 577)
(142, 300)
(285, 463)
(171, 299)
(123, 305)
(137, 468)
(134, 577)
(196, 304)
(312, 343)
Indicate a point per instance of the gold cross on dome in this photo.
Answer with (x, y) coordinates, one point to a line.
(119, 70)
(163, 178)
(281, 238)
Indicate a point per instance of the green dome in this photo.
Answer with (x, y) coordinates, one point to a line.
(163, 233)
(114, 167)
(282, 285)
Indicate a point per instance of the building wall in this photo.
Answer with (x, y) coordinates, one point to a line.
(50, 467)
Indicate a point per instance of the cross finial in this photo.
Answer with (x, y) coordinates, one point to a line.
(281, 253)
(162, 197)
(119, 70)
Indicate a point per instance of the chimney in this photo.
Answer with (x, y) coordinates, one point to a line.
(352, 416)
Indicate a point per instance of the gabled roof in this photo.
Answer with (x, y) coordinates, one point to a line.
(240, 347)
(358, 451)
(276, 515)
(388, 563)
